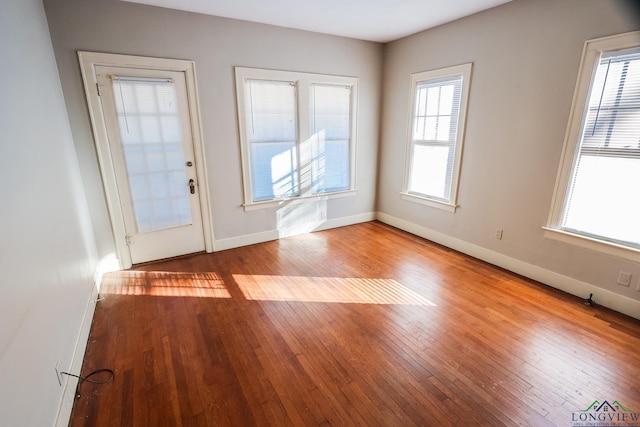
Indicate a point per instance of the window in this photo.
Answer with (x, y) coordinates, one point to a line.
(438, 111)
(596, 197)
(297, 134)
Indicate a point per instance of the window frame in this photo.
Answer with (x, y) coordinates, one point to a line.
(303, 83)
(591, 54)
(463, 70)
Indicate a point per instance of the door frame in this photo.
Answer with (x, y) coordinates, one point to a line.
(88, 63)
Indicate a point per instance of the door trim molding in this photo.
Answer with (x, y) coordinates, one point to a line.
(88, 63)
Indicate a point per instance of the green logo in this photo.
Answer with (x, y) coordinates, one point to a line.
(605, 413)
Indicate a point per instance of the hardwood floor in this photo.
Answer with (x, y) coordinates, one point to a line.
(362, 325)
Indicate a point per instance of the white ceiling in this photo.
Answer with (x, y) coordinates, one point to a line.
(374, 20)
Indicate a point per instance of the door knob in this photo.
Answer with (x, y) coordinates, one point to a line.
(192, 186)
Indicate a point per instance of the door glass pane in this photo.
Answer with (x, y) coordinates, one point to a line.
(152, 144)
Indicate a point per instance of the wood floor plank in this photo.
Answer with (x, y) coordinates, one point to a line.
(356, 326)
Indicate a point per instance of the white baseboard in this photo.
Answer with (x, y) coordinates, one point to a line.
(70, 383)
(244, 240)
(347, 220)
(603, 297)
(266, 236)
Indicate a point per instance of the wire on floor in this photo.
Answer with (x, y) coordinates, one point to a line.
(88, 378)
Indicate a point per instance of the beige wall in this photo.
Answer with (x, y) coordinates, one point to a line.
(526, 56)
(216, 45)
(525, 53)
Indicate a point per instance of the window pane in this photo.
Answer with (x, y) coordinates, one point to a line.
(436, 110)
(330, 111)
(603, 200)
(435, 124)
(271, 116)
(331, 128)
(600, 202)
(272, 133)
(273, 170)
(430, 171)
(330, 165)
(152, 144)
(444, 128)
(433, 101)
(446, 99)
(614, 105)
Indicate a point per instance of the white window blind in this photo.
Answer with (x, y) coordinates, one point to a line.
(603, 199)
(331, 134)
(272, 134)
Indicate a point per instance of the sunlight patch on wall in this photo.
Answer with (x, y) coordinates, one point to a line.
(107, 264)
(164, 284)
(328, 289)
(297, 217)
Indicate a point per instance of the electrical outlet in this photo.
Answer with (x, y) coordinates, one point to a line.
(624, 278)
(58, 374)
(498, 234)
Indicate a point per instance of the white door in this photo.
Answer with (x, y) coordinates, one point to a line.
(146, 116)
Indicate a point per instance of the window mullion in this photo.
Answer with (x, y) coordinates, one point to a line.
(304, 142)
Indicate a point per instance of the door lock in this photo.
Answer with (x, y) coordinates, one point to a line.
(192, 186)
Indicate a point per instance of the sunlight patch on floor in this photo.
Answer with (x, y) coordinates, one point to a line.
(164, 284)
(327, 289)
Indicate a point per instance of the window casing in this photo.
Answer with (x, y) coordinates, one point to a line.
(596, 203)
(297, 133)
(436, 136)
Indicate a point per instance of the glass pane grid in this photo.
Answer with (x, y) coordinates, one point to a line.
(152, 144)
(434, 133)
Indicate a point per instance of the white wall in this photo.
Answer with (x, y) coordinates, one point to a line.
(526, 56)
(216, 45)
(47, 251)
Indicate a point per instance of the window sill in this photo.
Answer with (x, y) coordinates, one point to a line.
(252, 206)
(449, 207)
(602, 246)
